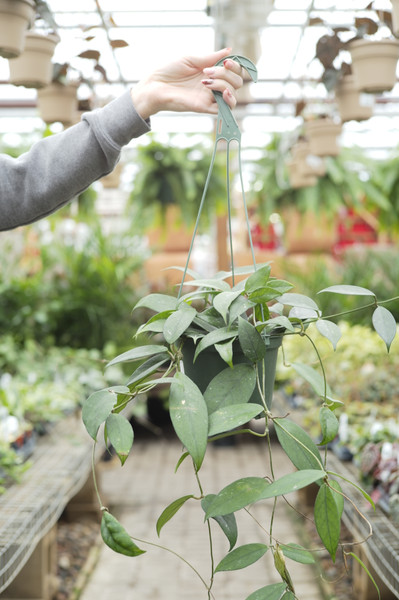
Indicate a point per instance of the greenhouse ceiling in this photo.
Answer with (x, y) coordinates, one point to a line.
(277, 35)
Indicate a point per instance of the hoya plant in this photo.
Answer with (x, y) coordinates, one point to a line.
(241, 319)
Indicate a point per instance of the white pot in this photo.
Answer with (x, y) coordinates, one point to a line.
(15, 18)
(374, 64)
(33, 68)
(395, 16)
(322, 135)
(352, 104)
(58, 103)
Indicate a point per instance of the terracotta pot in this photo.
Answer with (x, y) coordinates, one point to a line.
(307, 232)
(350, 101)
(58, 103)
(15, 18)
(33, 68)
(374, 64)
(322, 135)
(173, 235)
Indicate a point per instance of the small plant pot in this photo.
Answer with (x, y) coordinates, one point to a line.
(58, 103)
(322, 135)
(209, 363)
(15, 18)
(33, 68)
(351, 103)
(395, 16)
(300, 178)
(374, 64)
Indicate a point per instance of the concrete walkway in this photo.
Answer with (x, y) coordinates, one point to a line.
(137, 494)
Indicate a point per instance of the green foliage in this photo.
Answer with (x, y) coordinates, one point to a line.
(238, 322)
(350, 181)
(169, 174)
(75, 293)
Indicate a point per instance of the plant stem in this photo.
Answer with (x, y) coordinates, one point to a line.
(210, 595)
(212, 558)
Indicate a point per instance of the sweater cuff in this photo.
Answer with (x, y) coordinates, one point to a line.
(119, 121)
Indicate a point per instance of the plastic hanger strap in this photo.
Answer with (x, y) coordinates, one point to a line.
(227, 128)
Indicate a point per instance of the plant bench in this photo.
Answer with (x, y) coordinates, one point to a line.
(59, 477)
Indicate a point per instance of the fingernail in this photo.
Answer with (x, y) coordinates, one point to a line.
(226, 63)
(209, 71)
(207, 81)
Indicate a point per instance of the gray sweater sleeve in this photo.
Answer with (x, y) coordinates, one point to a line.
(61, 166)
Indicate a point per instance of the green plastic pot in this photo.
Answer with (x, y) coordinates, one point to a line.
(209, 364)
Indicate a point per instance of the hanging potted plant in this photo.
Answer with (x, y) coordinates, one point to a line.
(322, 133)
(16, 16)
(58, 102)
(166, 191)
(247, 316)
(33, 68)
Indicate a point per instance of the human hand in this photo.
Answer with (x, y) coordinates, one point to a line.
(187, 85)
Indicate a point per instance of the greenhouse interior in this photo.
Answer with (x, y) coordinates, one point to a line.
(199, 366)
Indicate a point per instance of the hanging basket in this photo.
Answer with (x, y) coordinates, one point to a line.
(352, 104)
(374, 64)
(209, 364)
(33, 68)
(58, 103)
(322, 135)
(298, 177)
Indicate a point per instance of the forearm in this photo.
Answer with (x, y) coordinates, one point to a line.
(59, 167)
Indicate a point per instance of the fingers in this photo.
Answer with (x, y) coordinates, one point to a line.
(226, 79)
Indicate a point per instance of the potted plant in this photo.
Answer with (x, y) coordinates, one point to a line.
(58, 101)
(248, 316)
(33, 68)
(166, 191)
(373, 55)
(322, 133)
(15, 17)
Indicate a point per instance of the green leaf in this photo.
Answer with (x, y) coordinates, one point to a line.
(297, 444)
(297, 553)
(292, 482)
(149, 367)
(157, 302)
(170, 511)
(329, 425)
(299, 301)
(225, 352)
(269, 592)
(177, 323)
(181, 459)
(348, 290)
(338, 496)
(258, 279)
(189, 416)
(242, 557)
(239, 307)
(329, 330)
(120, 434)
(313, 377)
(365, 495)
(229, 417)
(223, 301)
(96, 408)
(227, 523)
(138, 353)
(236, 495)
(365, 569)
(214, 337)
(116, 537)
(251, 342)
(327, 519)
(213, 284)
(153, 326)
(230, 386)
(385, 325)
